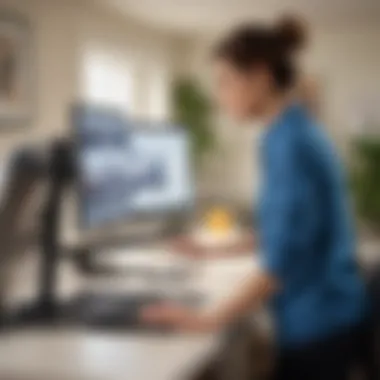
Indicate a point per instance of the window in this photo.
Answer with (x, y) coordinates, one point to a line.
(107, 79)
(139, 87)
(158, 93)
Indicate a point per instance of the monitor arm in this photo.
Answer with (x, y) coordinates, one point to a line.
(59, 174)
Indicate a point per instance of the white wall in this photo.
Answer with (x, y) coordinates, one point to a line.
(347, 61)
(59, 32)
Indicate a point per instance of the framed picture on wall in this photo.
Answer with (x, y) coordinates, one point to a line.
(15, 69)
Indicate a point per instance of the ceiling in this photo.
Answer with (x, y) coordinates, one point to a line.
(207, 16)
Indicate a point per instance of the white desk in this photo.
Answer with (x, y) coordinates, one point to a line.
(79, 355)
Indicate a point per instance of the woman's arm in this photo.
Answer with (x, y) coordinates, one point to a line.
(189, 247)
(256, 290)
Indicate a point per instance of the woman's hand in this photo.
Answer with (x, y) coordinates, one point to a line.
(186, 246)
(180, 318)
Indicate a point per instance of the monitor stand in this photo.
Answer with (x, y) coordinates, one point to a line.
(91, 309)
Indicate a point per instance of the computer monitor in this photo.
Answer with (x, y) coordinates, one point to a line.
(129, 169)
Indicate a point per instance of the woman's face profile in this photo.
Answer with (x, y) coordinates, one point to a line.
(241, 94)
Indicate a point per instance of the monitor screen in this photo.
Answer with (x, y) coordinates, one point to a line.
(128, 169)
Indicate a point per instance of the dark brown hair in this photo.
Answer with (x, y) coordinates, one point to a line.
(274, 46)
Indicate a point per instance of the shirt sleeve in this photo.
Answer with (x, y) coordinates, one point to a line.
(281, 186)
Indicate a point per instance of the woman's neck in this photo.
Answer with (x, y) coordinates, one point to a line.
(274, 108)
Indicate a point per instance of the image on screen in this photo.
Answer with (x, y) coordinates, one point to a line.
(126, 171)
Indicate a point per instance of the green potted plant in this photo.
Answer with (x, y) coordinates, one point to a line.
(366, 181)
(193, 110)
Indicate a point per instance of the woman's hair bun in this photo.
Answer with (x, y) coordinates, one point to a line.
(291, 33)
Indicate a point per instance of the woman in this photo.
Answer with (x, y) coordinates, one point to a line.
(308, 270)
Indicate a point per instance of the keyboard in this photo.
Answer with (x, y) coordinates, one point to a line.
(95, 311)
(120, 311)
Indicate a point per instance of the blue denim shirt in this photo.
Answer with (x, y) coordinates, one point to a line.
(306, 232)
